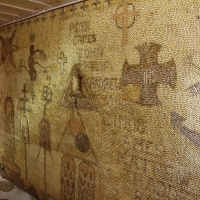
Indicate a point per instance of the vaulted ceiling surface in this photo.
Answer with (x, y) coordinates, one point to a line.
(14, 10)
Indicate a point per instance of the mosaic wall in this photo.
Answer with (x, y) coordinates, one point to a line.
(100, 101)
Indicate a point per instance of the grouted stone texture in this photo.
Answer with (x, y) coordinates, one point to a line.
(101, 101)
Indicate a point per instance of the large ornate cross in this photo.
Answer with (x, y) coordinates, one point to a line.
(148, 74)
(125, 17)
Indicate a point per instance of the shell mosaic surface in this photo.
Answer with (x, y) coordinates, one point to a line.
(100, 101)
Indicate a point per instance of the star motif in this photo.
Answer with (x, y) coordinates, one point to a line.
(7, 48)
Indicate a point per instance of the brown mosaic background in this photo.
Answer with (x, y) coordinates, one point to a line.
(100, 100)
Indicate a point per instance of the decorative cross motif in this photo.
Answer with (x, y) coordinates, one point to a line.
(125, 18)
(108, 1)
(24, 99)
(149, 73)
(84, 6)
(28, 22)
(52, 16)
(22, 23)
(73, 9)
(43, 18)
(62, 60)
(36, 20)
(96, 3)
(63, 12)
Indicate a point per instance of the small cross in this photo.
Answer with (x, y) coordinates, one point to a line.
(73, 9)
(84, 6)
(43, 18)
(108, 1)
(125, 17)
(96, 3)
(28, 22)
(52, 16)
(62, 60)
(63, 12)
(22, 23)
(36, 20)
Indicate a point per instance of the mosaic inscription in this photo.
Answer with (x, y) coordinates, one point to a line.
(104, 83)
(152, 177)
(95, 65)
(114, 101)
(86, 38)
(82, 27)
(149, 73)
(160, 181)
(92, 59)
(88, 53)
(125, 123)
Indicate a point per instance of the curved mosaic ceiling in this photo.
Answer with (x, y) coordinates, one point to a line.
(12, 11)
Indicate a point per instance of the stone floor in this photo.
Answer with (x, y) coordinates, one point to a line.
(10, 192)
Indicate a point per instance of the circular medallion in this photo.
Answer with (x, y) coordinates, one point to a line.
(82, 142)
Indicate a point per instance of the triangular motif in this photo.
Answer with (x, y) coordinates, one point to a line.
(75, 140)
(77, 94)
